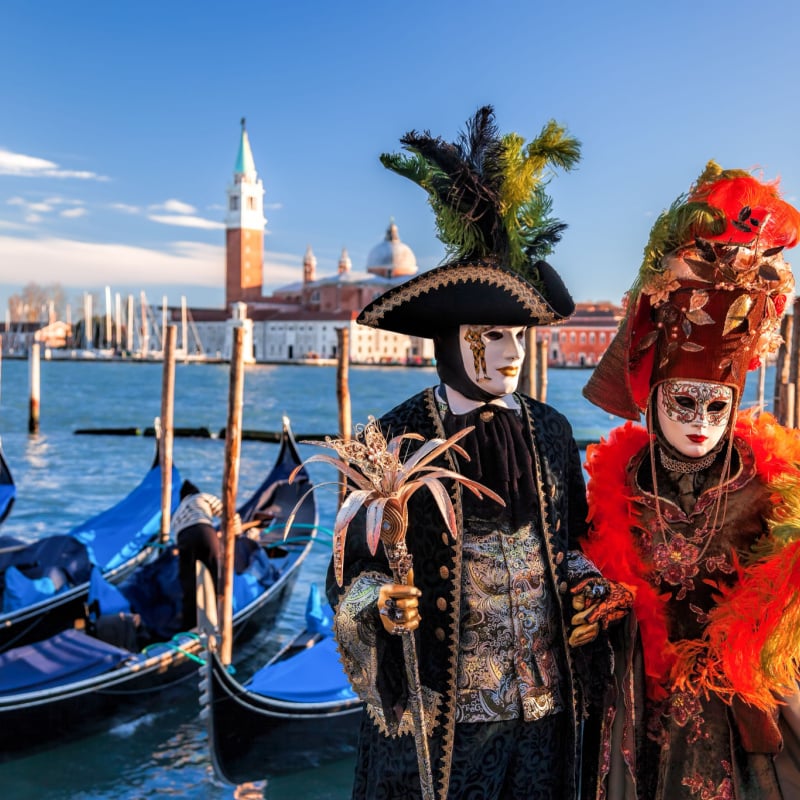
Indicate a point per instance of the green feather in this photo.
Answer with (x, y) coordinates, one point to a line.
(673, 227)
(487, 191)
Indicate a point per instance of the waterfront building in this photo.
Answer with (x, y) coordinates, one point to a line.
(583, 339)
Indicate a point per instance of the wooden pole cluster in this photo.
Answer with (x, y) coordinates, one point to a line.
(533, 376)
(230, 483)
(167, 432)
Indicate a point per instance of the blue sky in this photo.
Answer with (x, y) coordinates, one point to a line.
(119, 125)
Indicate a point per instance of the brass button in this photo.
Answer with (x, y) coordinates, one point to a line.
(439, 634)
(446, 537)
(562, 587)
(559, 558)
(444, 573)
(441, 604)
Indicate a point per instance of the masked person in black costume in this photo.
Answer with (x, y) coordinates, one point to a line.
(502, 636)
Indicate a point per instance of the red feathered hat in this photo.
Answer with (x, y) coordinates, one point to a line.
(710, 292)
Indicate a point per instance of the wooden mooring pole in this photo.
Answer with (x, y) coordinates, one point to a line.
(34, 382)
(541, 373)
(794, 372)
(230, 482)
(780, 404)
(527, 376)
(167, 432)
(343, 394)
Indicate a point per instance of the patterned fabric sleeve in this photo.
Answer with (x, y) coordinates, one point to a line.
(580, 567)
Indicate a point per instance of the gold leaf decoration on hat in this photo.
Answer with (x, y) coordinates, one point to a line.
(737, 313)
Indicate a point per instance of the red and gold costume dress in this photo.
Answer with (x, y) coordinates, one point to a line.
(714, 642)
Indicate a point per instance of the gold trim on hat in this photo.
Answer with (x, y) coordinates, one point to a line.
(442, 277)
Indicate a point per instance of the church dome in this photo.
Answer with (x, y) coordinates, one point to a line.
(391, 258)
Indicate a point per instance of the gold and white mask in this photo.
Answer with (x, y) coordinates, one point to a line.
(492, 356)
(694, 415)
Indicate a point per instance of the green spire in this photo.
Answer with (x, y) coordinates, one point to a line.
(244, 161)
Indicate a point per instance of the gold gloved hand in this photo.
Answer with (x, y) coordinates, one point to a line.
(598, 602)
(398, 607)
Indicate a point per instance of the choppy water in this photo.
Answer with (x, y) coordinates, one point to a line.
(63, 478)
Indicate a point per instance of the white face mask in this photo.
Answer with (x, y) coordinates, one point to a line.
(694, 415)
(492, 356)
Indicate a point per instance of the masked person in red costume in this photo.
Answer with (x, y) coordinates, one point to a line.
(505, 692)
(698, 512)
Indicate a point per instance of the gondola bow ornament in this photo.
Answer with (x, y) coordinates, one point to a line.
(383, 484)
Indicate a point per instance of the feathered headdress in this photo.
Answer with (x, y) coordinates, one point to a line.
(492, 214)
(708, 297)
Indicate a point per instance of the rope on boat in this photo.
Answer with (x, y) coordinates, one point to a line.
(172, 645)
(326, 534)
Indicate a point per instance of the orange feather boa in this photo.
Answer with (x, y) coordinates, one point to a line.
(751, 645)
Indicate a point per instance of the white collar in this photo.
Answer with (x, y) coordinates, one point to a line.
(459, 404)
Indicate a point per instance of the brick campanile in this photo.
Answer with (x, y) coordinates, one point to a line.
(244, 226)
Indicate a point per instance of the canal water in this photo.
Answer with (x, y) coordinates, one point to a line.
(63, 477)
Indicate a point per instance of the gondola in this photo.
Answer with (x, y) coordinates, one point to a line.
(296, 711)
(8, 490)
(44, 584)
(75, 682)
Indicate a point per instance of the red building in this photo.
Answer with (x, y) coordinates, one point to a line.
(584, 338)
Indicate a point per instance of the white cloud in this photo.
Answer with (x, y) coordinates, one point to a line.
(186, 221)
(32, 167)
(125, 208)
(34, 211)
(173, 206)
(181, 214)
(86, 265)
(63, 201)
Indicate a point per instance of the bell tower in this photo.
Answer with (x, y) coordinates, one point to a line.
(244, 226)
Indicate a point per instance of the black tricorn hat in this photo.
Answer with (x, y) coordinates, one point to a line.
(477, 292)
(492, 213)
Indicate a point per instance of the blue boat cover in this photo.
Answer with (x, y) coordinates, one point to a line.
(67, 657)
(21, 591)
(314, 675)
(319, 616)
(108, 597)
(7, 494)
(259, 575)
(120, 532)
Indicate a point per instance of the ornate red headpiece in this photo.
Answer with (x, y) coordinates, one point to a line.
(709, 295)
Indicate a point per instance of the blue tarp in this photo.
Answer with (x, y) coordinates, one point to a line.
(8, 493)
(120, 532)
(21, 591)
(64, 658)
(108, 597)
(314, 675)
